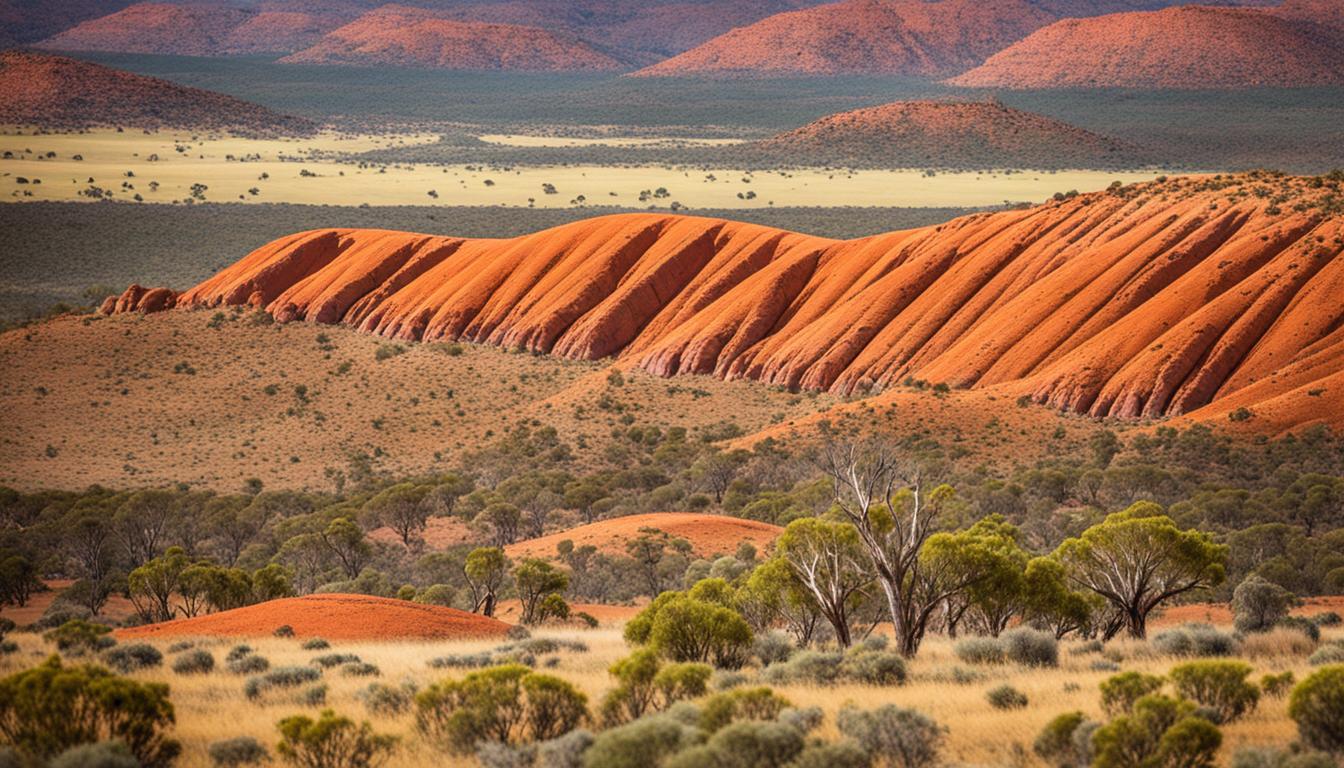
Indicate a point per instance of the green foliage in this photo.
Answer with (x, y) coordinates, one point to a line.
(1056, 744)
(508, 704)
(1194, 640)
(684, 628)
(740, 704)
(1159, 731)
(1218, 684)
(128, 658)
(237, 751)
(537, 580)
(893, 736)
(1257, 604)
(1006, 697)
(78, 636)
(980, 650)
(1317, 706)
(1276, 685)
(644, 742)
(194, 662)
(1120, 692)
(50, 708)
(331, 741)
(745, 745)
(1030, 647)
(105, 754)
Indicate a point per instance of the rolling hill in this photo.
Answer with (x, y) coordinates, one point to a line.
(1185, 47)
(935, 134)
(411, 37)
(872, 37)
(1186, 296)
(57, 92)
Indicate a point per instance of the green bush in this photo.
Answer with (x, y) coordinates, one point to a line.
(508, 704)
(327, 661)
(1317, 706)
(194, 662)
(105, 754)
(841, 754)
(1278, 685)
(238, 751)
(902, 738)
(644, 742)
(684, 628)
(1259, 604)
(360, 669)
(1194, 640)
(50, 708)
(1306, 626)
(1274, 757)
(331, 741)
(873, 667)
(752, 743)
(78, 636)
(1006, 697)
(235, 653)
(280, 677)
(128, 658)
(1056, 744)
(807, 666)
(980, 650)
(772, 647)
(1330, 653)
(248, 665)
(315, 644)
(1159, 731)
(384, 699)
(739, 705)
(1221, 685)
(1031, 647)
(1119, 692)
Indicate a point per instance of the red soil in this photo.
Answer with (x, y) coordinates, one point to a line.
(606, 615)
(1183, 47)
(886, 37)
(1185, 296)
(55, 91)
(708, 534)
(334, 617)
(934, 133)
(1221, 613)
(440, 533)
(414, 37)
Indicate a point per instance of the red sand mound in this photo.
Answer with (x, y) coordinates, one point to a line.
(413, 37)
(1184, 47)
(708, 534)
(923, 134)
(334, 617)
(1144, 301)
(203, 29)
(55, 91)
(876, 37)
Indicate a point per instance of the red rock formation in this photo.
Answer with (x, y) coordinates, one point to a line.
(1148, 300)
(58, 92)
(922, 134)
(415, 37)
(884, 37)
(1184, 47)
(137, 298)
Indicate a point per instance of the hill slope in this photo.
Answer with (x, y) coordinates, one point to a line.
(412, 37)
(875, 37)
(1145, 301)
(1185, 47)
(924, 134)
(55, 91)
(709, 535)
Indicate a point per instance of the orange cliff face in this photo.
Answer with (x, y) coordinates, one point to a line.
(1189, 296)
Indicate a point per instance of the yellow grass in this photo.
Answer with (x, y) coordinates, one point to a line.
(212, 707)
(108, 156)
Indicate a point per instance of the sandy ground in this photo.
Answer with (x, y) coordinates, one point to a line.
(709, 535)
(297, 178)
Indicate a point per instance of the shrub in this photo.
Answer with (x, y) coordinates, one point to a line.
(644, 742)
(1119, 692)
(808, 666)
(314, 695)
(1277, 643)
(1031, 647)
(1278, 685)
(980, 650)
(645, 684)
(740, 704)
(106, 754)
(679, 682)
(565, 751)
(509, 704)
(360, 669)
(180, 646)
(383, 699)
(1317, 706)
(50, 708)
(236, 652)
(315, 644)
(335, 660)
(873, 667)
(907, 739)
(1159, 730)
(1218, 684)
(194, 662)
(1194, 640)
(331, 742)
(746, 744)
(841, 754)
(238, 751)
(1327, 619)
(1258, 604)
(772, 647)
(1307, 627)
(128, 658)
(1056, 744)
(249, 665)
(78, 636)
(1331, 653)
(1006, 697)
(280, 677)
(1274, 757)
(684, 628)
(284, 630)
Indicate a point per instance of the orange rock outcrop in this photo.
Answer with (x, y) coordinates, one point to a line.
(1143, 301)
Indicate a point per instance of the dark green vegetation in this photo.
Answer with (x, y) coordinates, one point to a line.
(55, 252)
(1295, 130)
